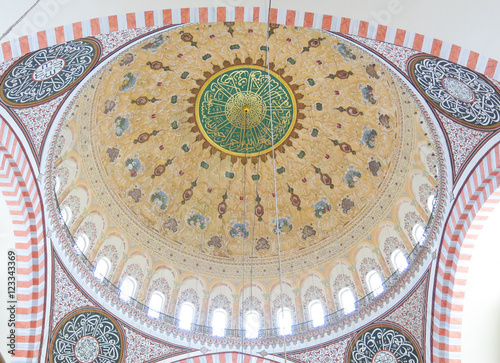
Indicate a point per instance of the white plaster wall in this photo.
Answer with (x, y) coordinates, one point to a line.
(481, 315)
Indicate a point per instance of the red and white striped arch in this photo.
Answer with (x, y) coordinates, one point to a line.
(19, 188)
(229, 357)
(474, 203)
(61, 34)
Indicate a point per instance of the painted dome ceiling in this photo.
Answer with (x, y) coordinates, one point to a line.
(173, 141)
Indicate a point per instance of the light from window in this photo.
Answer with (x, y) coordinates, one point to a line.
(82, 242)
(127, 289)
(418, 233)
(374, 283)
(347, 300)
(57, 185)
(219, 322)
(317, 313)
(252, 325)
(430, 202)
(155, 304)
(66, 214)
(399, 260)
(186, 316)
(284, 318)
(102, 268)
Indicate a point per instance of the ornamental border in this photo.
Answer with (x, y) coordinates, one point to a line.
(83, 310)
(384, 324)
(410, 64)
(103, 25)
(97, 56)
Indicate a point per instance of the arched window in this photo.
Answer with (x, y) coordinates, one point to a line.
(57, 185)
(66, 214)
(102, 268)
(399, 260)
(252, 324)
(155, 304)
(430, 202)
(347, 300)
(82, 242)
(127, 289)
(219, 322)
(418, 232)
(374, 283)
(186, 315)
(284, 319)
(316, 313)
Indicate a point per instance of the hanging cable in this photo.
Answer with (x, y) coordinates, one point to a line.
(278, 232)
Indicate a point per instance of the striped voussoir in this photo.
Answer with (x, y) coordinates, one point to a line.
(473, 205)
(231, 357)
(19, 188)
(103, 25)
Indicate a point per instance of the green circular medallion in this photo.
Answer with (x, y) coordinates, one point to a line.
(233, 110)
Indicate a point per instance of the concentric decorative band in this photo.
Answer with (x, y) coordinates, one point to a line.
(462, 94)
(87, 336)
(47, 73)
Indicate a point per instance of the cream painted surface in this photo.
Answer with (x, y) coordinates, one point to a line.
(471, 24)
(6, 244)
(481, 315)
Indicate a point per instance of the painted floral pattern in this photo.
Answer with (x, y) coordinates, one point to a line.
(221, 301)
(239, 230)
(345, 51)
(197, 220)
(284, 225)
(189, 295)
(153, 43)
(133, 165)
(135, 271)
(160, 200)
(369, 138)
(313, 293)
(352, 177)
(287, 303)
(367, 93)
(121, 124)
(369, 264)
(128, 82)
(321, 208)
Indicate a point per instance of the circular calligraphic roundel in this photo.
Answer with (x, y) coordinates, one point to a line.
(459, 92)
(87, 336)
(42, 75)
(234, 113)
(383, 343)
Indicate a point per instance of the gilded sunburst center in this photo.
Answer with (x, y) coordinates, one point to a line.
(245, 110)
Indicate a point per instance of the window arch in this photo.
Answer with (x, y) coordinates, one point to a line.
(156, 304)
(219, 322)
(430, 202)
(284, 319)
(418, 233)
(66, 214)
(374, 283)
(252, 324)
(186, 315)
(399, 260)
(127, 288)
(82, 243)
(57, 184)
(347, 300)
(316, 313)
(102, 268)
